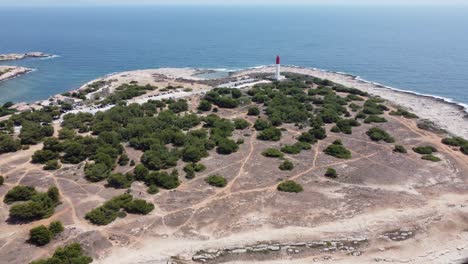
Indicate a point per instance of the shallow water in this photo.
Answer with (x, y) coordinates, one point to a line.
(420, 49)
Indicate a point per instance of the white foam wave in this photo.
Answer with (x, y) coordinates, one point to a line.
(50, 57)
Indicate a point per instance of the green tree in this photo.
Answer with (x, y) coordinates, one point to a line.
(286, 166)
(56, 228)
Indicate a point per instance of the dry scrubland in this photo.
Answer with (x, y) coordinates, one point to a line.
(382, 206)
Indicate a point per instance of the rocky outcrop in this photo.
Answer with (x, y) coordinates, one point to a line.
(350, 246)
(20, 56)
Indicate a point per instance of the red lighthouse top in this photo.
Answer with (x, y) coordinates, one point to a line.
(278, 60)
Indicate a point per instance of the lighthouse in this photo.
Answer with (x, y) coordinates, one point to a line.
(278, 68)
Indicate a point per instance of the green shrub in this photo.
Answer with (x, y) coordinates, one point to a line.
(56, 228)
(253, 111)
(375, 119)
(123, 159)
(404, 113)
(70, 254)
(261, 124)
(216, 181)
(270, 134)
(165, 180)
(291, 149)
(2, 180)
(140, 172)
(399, 149)
(19, 193)
(226, 146)
(425, 150)
(96, 172)
(455, 141)
(153, 189)
(307, 137)
(241, 124)
(331, 173)
(464, 149)
(40, 235)
(52, 165)
(286, 166)
(204, 105)
(335, 129)
(345, 125)
(272, 153)
(42, 156)
(120, 181)
(338, 151)
(431, 158)
(377, 134)
(138, 206)
(9, 144)
(290, 186)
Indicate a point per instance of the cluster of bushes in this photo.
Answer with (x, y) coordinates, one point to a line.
(313, 135)
(296, 148)
(42, 235)
(345, 126)
(205, 105)
(8, 143)
(192, 168)
(36, 205)
(457, 142)
(404, 113)
(224, 97)
(377, 134)
(337, 150)
(374, 106)
(270, 134)
(116, 207)
(375, 119)
(290, 186)
(272, 153)
(427, 152)
(216, 181)
(72, 253)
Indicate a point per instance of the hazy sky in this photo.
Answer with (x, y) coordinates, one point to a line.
(227, 2)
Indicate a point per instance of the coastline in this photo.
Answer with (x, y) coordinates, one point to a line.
(444, 113)
(20, 56)
(13, 71)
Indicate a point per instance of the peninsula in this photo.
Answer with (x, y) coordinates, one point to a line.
(20, 56)
(164, 166)
(8, 72)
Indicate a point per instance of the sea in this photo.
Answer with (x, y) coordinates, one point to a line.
(419, 49)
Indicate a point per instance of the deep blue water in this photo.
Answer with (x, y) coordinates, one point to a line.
(419, 49)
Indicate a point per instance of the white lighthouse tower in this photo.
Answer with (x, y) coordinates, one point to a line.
(278, 76)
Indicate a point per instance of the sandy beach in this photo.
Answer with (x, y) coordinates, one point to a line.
(445, 115)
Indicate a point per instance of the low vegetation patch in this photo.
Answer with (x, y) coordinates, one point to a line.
(400, 149)
(216, 181)
(331, 173)
(337, 150)
(72, 253)
(404, 113)
(375, 119)
(290, 186)
(286, 166)
(431, 158)
(35, 206)
(272, 153)
(115, 207)
(42, 235)
(425, 150)
(377, 134)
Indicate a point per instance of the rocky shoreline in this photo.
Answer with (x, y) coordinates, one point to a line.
(20, 56)
(9, 72)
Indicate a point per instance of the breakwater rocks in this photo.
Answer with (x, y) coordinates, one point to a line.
(266, 250)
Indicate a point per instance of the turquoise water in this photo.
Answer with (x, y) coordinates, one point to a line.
(419, 49)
